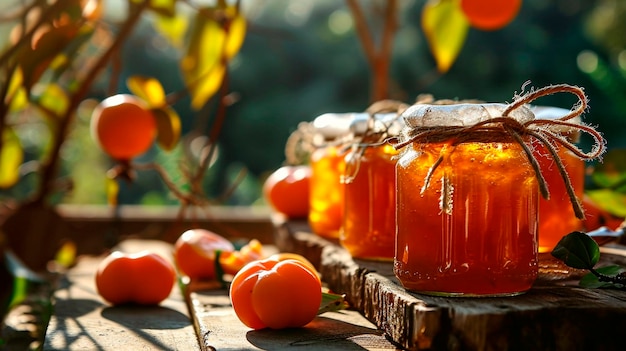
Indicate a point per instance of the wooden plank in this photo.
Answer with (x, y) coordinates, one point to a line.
(220, 329)
(83, 321)
(554, 315)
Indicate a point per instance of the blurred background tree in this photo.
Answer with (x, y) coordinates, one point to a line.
(303, 58)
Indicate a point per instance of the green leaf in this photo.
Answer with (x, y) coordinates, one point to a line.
(609, 201)
(577, 250)
(591, 281)
(52, 99)
(445, 27)
(332, 302)
(11, 158)
(611, 172)
(148, 89)
(168, 127)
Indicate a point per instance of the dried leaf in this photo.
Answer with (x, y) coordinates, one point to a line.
(445, 27)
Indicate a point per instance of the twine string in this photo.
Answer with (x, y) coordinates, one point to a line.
(544, 131)
(372, 136)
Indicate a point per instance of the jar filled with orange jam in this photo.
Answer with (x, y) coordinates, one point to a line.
(369, 223)
(556, 216)
(327, 163)
(466, 205)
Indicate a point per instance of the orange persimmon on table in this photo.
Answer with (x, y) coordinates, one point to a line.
(276, 294)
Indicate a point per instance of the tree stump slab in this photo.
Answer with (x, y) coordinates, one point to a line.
(556, 314)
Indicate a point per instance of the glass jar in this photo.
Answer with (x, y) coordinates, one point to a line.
(369, 224)
(327, 163)
(556, 215)
(471, 231)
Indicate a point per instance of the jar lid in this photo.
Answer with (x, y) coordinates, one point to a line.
(460, 115)
(333, 125)
(389, 123)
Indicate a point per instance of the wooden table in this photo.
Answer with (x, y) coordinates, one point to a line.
(200, 318)
(555, 314)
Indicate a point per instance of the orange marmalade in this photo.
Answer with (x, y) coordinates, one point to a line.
(556, 216)
(327, 191)
(472, 230)
(327, 169)
(369, 225)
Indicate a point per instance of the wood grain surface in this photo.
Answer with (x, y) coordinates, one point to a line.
(83, 321)
(555, 314)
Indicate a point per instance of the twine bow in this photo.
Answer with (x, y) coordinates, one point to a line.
(543, 130)
(376, 133)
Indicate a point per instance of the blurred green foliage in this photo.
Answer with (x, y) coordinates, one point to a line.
(302, 58)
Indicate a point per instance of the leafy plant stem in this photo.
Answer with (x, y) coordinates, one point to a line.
(50, 166)
(619, 279)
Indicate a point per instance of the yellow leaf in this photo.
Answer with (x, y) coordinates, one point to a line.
(168, 126)
(17, 79)
(16, 95)
(112, 190)
(11, 158)
(172, 28)
(208, 86)
(203, 58)
(66, 256)
(148, 89)
(236, 35)
(445, 27)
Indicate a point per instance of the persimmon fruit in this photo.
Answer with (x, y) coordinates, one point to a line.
(123, 126)
(490, 14)
(232, 262)
(287, 190)
(275, 294)
(143, 278)
(282, 256)
(195, 252)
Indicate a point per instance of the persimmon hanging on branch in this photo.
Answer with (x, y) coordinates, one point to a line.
(490, 14)
(446, 22)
